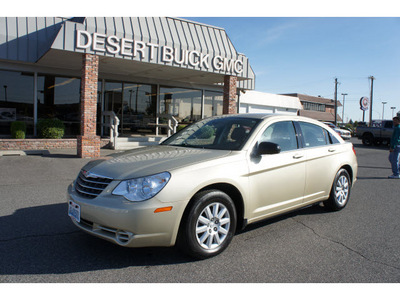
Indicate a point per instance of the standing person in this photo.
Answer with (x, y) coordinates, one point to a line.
(394, 155)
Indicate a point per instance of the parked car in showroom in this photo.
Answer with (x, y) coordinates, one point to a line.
(344, 133)
(201, 185)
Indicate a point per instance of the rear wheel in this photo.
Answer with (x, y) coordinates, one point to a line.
(209, 225)
(340, 192)
(368, 139)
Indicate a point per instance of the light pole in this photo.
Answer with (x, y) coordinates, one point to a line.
(344, 95)
(383, 111)
(393, 108)
(336, 84)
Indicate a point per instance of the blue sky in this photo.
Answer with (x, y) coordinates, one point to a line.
(293, 46)
(306, 54)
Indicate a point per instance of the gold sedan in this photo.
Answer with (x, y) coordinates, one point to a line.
(201, 185)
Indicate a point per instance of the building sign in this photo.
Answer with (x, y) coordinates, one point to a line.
(364, 103)
(132, 48)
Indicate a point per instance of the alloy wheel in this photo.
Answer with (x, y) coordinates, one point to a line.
(342, 190)
(212, 226)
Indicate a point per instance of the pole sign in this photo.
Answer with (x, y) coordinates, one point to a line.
(132, 48)
(364, 103)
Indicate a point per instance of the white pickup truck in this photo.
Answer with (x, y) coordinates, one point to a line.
(379, 133)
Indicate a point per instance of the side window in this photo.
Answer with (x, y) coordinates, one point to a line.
(313, 135)
(281, 133)
(389, 124)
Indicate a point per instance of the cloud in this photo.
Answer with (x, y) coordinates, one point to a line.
(275, 33)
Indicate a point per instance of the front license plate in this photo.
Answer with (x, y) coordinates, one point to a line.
(74, 211)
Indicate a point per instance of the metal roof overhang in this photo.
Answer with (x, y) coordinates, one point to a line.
(177, 34)
(133, 69)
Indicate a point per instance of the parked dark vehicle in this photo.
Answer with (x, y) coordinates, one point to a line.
(379, 133)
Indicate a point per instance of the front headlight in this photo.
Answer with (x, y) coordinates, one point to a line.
(141, 189)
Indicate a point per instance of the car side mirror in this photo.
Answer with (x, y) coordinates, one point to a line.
(268, 148)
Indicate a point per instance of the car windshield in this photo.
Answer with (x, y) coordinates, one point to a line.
(221, 133)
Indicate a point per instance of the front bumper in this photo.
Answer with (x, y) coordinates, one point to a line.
(128, 224)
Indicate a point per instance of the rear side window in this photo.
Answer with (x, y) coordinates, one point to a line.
(389, 124)
(314, 135)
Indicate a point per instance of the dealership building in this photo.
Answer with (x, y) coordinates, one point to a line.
(104, 77)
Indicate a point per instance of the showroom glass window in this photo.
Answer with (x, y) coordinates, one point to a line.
(139, 107)
(213, 103)
(99, 108)
(183, 104)
(16, 100)
(59, 97)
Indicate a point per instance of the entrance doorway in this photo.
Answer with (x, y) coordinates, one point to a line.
(133, 104)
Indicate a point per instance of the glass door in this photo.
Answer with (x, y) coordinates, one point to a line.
(113, 101)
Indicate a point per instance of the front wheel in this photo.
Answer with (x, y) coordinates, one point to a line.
(209, 225)
(340, 192)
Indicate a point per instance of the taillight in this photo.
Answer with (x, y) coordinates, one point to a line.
(354, 150)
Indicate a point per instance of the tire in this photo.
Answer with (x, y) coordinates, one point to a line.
(367, 139)
(377, 142)
(340, 192)
(208, 226)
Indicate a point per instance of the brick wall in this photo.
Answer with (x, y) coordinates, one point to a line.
(88, 144)
(229, 104)
(43, 144)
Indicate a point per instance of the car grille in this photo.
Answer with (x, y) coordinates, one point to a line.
(91, 185)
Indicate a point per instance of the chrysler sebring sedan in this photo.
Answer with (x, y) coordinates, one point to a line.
(201, 185)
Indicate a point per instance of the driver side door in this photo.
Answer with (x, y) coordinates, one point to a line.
(277, 180)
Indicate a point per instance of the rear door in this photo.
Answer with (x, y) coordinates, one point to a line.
(320, 149)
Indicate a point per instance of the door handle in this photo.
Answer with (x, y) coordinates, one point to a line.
(297, 156)
(331, 150)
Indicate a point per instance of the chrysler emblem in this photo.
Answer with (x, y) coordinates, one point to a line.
(88, 174)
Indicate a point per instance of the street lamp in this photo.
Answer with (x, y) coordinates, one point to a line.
(343, 94)
(383, 111)
(393, 108)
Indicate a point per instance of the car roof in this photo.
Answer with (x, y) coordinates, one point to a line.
(263, 116)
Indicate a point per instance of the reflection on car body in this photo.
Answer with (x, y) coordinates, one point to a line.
(211, 179)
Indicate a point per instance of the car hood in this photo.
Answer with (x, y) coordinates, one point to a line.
(149, 161)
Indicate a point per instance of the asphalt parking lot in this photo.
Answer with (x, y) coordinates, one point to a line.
(38, 242)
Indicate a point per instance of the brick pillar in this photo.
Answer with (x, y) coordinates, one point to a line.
(229, 104)
(88, 143)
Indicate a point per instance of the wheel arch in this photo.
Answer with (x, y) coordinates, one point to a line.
(349, 170)
(228, 189)
(368, 138)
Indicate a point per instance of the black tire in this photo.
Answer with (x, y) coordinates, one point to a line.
(208, 226)
(367, 139)
(340, 192)
(377, 142)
